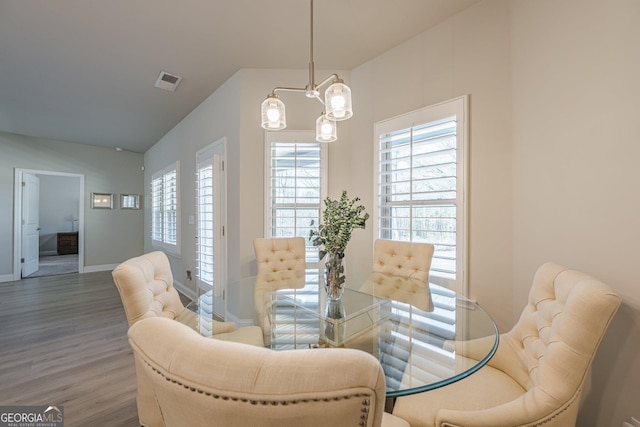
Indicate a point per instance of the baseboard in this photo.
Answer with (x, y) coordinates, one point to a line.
(87, 269)
(48, 253)
(6, 278)
(94, 268)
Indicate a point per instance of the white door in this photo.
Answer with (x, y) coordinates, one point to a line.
(30, 224)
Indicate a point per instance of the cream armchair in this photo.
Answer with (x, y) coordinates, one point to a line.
(404, 259)
(200, 382)
(401, 272)
(281, 265)
(280, 254)
(145, 284)
(539, 370)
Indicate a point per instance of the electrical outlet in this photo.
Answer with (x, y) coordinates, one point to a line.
(188, 274)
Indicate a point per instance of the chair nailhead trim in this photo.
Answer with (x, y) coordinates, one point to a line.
(365, 402)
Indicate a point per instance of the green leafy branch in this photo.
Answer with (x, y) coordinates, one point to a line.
(339, 219)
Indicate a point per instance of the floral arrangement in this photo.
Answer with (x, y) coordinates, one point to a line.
(339, 219)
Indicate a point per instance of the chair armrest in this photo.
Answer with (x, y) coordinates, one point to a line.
(192, 320)
(532, 408)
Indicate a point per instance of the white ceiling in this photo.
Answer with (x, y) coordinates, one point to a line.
(84, 70)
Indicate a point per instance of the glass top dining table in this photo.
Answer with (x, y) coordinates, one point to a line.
(424, 335)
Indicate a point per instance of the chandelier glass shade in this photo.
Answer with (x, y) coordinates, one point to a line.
(273, 113)
(337, 102)
(326, 129)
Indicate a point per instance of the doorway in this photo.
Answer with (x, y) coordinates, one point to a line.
(48, 223)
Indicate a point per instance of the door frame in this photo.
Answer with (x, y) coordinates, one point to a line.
(17, 216)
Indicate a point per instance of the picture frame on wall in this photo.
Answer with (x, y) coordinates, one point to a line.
(130, 201)
(101, 200)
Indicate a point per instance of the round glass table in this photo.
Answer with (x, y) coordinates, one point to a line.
(425, 336)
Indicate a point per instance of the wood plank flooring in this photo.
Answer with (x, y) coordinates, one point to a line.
(63, 341)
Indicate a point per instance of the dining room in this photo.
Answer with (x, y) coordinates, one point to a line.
(534, 100)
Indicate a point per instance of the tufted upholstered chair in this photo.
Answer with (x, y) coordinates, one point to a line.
(266, 283)
(404, 259)
(281, 264)
(198, 382)
(145, 284)
(394, 260)
(279, 254)
(538, 373)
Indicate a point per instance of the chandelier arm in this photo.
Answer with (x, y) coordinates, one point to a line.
(288, 89)
(295, 89)
(331, 79)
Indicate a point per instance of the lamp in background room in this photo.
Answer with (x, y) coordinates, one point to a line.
(337, 102)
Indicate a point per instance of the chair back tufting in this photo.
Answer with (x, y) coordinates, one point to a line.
(145, 284)
(280, 254)
(404, 259)
(558, 333)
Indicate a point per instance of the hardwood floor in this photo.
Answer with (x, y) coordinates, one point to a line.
(63, 341)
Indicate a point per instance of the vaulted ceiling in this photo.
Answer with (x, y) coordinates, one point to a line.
(84, 70)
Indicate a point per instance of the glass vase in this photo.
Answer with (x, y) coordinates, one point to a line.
(334, 276)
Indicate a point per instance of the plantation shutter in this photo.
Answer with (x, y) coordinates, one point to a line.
(206, 222)
(164, 209)
(170, 207)
(156, 209)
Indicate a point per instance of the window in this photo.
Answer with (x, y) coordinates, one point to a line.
(164, 209)
(211, 208)
(421, 184)
(296, 186)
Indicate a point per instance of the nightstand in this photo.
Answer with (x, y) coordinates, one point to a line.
(68, 243)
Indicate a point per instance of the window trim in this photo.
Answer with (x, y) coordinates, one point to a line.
(162, 244)
(458, 106)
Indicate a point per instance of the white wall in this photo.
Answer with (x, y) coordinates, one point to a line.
(215, 118)
(109, 236)
(467, 54)
(576, 146)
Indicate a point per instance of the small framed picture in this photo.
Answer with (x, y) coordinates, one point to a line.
(101, 201)
(130, 201)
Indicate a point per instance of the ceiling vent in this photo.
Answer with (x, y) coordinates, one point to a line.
(168, 81)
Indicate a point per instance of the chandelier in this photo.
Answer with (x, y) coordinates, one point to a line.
(337, 102)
